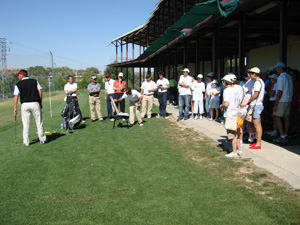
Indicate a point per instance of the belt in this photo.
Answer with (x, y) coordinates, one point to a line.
(94, 95)
(149, 95)
(110, 94)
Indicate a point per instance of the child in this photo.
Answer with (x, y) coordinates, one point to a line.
(198, 89)
(215, 100)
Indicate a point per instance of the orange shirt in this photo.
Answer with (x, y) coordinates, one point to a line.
(116, 85)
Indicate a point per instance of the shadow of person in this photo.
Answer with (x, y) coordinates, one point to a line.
(50, 138)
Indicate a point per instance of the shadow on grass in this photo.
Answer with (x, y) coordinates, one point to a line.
(50, 138)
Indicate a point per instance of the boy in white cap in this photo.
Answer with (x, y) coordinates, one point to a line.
(215, 99)
(199, 88)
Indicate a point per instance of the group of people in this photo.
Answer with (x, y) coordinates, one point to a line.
(217, 101)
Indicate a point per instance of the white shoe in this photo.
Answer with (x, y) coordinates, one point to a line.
(274, 133)
(210, 119)
(83, 121)
(141, 124)
(196, 117)
(149, 117)
(166, 118)
(201, 117)
(112, 120)
(232, 155)
(240, 153)
(123, 119)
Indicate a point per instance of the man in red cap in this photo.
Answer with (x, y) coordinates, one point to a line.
(30, 92)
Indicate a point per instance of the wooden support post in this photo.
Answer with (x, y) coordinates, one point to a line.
(241, 45)
(197, 63)
(140, 76)
(283, 31)
(215, 52)
(116, 51)
(185, 54)
(126, 50)
(133, 77)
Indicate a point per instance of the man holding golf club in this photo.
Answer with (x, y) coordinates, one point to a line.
(30, 92)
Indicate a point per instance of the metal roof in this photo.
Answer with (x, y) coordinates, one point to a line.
(129, 32)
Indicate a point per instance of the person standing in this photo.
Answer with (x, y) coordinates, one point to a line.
(94, 99)
(185, 83)
(119, 88)
(71, 92)
(173, 92)
(162, 87)
(31, 96)
(147, 90)
(207, 96)
(109, 91)
(282, 105)
(214, 100)
(135, 99)
(198, 90)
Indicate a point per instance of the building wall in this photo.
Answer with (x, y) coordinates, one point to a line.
(266, 57)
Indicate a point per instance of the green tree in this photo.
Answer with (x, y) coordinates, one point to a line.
(86, 77)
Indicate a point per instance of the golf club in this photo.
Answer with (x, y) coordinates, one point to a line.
(16, 129)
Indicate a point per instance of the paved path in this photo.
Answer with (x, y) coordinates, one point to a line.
(277, 160)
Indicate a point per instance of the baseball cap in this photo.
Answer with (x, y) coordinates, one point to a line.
(107, 75)
(200, 76)
(214, 81)
(120, 75)
(147, 76)
(232, 76)
(94, 77)
(254, 70)
(186, 70)
(273, 76)
(279, 64)
(210, 74)
(227, 78)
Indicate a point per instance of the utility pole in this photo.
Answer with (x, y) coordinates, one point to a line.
(53, 86)
(3, 68)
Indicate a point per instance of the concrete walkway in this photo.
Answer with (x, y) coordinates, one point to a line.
(277, 160)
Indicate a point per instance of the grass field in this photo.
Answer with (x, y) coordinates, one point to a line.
(160, 173)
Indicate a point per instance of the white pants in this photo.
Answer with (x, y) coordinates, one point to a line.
(198, 106)
(132, 105)
(27, 109)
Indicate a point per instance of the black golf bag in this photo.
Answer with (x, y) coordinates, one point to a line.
(71, 113)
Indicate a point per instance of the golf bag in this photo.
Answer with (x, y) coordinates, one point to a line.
(71, 113)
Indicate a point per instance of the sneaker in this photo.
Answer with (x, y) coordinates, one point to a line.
(273, 133)
(123, 120)
(101, 120)
(82, 121)
(42, 142)
(186, 118)
(210, 119)
(196, 117)
(149, 117)
(179, 119)
(232, 155)
(141, 124)
(201, 117)
(166, 118)
(25, 144)
(240, 153)
(112, 120)
(281, 139)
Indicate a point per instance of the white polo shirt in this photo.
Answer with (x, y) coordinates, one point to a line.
(198, 88)
(208, 88)
(259, 86)
(109, 86)
(285, 84)
(164, 82)
(69, 87)
(185, 80)
(134, 97)
(148, 86)
(230, 96)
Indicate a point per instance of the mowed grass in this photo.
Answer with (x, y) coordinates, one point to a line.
(156, 174)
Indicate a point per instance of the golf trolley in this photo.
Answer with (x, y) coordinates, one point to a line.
(71, 113)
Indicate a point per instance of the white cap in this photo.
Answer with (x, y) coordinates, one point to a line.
(200, 76)
(214, 81)
(254, 70)
(273, 76)
(227, 78)
(232, 76)
(186, 70)
(120, 74)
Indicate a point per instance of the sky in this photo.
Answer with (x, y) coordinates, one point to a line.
(77, 32)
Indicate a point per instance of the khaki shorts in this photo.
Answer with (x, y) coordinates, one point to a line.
(283, 109)
(231, 134)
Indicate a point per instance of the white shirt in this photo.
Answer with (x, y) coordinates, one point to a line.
(240, 92)
(259, 86)
(285, 84)
(69, 87)
(273, 99)
(215, 90)
(185, 80)
(198, 89)
(146, 86)
(17, 91)
(109, 86)
(134, 97)
(164, 82)
(230, 96)
(208, 87)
